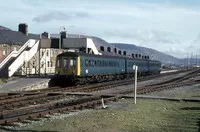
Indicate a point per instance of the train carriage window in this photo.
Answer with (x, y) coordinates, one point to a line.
(89, 63)
(92, 63)
(95, 63)
(110, 64)
(114, 64)
(98, 63)
(86, 63)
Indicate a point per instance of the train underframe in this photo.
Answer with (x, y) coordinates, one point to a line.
(64, 80)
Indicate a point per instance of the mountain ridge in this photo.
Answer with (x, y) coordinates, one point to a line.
(152, 53)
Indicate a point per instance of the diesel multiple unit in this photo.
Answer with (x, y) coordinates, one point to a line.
(79, 68)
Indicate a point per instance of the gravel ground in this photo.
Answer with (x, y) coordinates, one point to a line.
(181, 92)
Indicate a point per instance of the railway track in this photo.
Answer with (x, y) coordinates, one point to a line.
(28, 105)
(12, 99)
(5, 96)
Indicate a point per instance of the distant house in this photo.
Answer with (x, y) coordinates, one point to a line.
(12, 40)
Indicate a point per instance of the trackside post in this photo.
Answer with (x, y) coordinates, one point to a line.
(135, 68)
(103, 105)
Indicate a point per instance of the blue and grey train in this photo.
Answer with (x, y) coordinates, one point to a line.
(80, 68)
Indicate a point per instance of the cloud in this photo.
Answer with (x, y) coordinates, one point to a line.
(59, 16)
(177, 52)
(154, 23)
(82, 14)
(146, 36)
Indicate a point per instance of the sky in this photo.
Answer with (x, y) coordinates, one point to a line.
(169, 26)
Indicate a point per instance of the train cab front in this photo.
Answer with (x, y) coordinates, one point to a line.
(67, 70)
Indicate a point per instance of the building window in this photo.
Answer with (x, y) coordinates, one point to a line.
(124, 53)
(51, 63)
(142, 57)
(109, 49)
(47, 53)
(48, 64)
(101, 48)
(42, 64)
(115, 50)
(24, 65)
(42, 53)
(4, 52)
(120, 52)
(15, 48)
(133, 56)
(33, 64)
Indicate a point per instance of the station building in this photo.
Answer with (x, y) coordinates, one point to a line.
(22, 53)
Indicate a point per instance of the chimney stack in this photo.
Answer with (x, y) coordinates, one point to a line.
(46, 34)
(23, 28)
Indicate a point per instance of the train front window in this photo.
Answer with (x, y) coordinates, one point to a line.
(58, 62)
(72, 63)
(69, 62)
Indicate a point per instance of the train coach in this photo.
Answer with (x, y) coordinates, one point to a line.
(80, 68)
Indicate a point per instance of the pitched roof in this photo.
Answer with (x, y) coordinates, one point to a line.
(4, 28)
(12, 37)
(8, 36)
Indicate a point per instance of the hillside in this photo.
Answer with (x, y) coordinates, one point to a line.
(153, 54)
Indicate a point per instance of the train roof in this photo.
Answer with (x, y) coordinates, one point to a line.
(76, 54)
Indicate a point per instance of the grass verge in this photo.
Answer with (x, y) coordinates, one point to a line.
(124, 116)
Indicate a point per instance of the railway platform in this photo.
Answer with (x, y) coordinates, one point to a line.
(23, 83)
